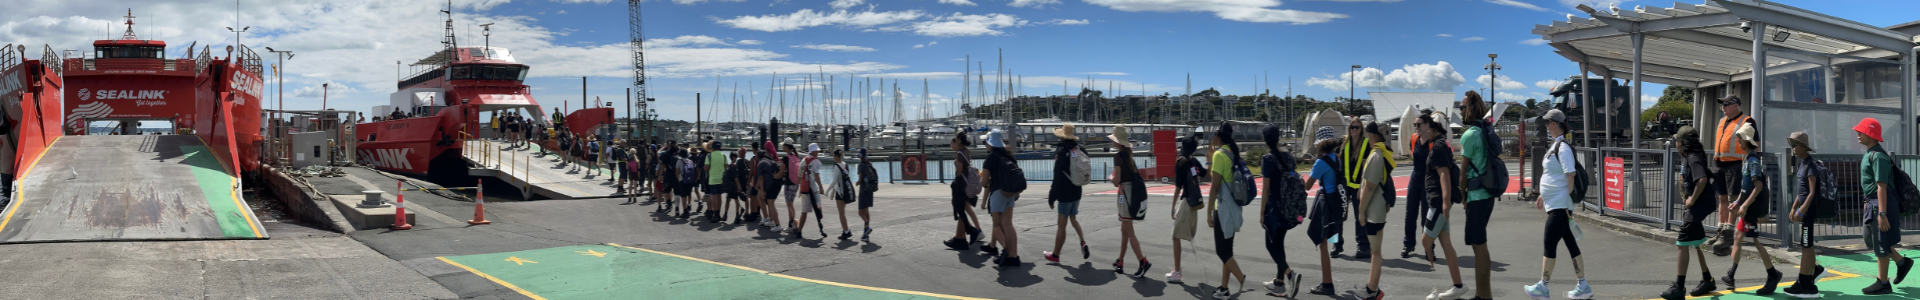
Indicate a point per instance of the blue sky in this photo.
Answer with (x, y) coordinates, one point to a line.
(1411, 45)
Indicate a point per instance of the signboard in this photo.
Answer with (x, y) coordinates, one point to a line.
(913, 167)
(108, 97)
(1616, 183)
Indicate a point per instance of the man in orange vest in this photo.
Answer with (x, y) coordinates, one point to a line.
(1727, 157)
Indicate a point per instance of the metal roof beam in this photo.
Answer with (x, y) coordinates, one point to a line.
(1654, 79)
(1823, 25)
(1673, 23)
(1778, 51)
(1584, 34)
(1659, 68)
(1726, 42)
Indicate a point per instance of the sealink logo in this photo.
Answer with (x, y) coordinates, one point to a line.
(123, 95)
(388, 158)
(11, 82)
(243, 84)
(84, 96)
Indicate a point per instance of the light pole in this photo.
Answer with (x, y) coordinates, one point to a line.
(236, 22)
(486, 33)
(1493, 81)
(323, 95)
(281, 58)
(1352, 77)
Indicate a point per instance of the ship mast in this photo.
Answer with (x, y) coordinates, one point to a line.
(129, 35)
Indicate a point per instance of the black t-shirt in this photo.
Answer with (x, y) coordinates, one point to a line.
(1063, 189)
(769, 169)
(1184, 179)
(1438, 155)
(1416, 182)
(1695, 169)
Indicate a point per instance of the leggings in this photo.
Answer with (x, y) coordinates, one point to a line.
(1558, 230)
(1278, 250)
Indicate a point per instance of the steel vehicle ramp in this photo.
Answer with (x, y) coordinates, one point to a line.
(536, 171)
(127, 187)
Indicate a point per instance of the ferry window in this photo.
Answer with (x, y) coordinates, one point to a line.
(129, 52)
(489, 72)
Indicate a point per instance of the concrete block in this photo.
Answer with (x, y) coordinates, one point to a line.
(365, 218)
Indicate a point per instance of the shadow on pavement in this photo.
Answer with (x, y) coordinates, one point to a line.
(1018, 276)
(1086, 275)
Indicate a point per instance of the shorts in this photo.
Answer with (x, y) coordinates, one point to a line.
(593, 157)
(1435, 223)
(999, 202)
(1882, 241)
(1067, 209)
(810, 203)
(1478, 213)
(1806, 234)
(1746, 225)
(711, 190)
(1129, 211)
(1691, 234)
(683, 190)
(1222, 245)
(1185, 221)
(790, 191)
(1372, 229)
(1729, 177)
(865, 201)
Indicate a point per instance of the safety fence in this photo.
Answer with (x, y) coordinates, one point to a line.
(941, 170)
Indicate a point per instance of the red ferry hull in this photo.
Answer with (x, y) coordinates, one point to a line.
(31, 92)
(411, 145)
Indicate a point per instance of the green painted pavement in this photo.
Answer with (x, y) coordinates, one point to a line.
(610, 272)
(217, 186)
(1846, 275)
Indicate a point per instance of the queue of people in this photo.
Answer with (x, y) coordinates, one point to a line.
(742, 186)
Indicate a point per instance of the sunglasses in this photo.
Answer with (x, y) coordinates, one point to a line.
(1729, 103)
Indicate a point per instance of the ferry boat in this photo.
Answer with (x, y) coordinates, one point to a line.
(131, 80)
(434, 109)
(30, 92)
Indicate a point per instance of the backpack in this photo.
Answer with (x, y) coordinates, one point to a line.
(970, 177)
(1576, 186)
(1012, 178)
(806, 175)
(1823, 205)
(1493, 177)
(1243, 187)
(1286, 201)
(1387, 188)
(1903, 187)
(843, 188)
(688, 172)
(1081, 171)
(1329, 204)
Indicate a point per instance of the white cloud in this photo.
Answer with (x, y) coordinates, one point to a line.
(1444, 35)
(914, 75)
(1505, 83)
(1533, 42)
(1435, 77)
(845, 4)
(1067, 22)
(810, 18)
(1648, 100)
(1258, 11)
(333, 89)
(1105, 73)
(960, 24)
(1598, 4)
(1548, 84)
(919, 46)
(834, 48)
(1473, 39)
(1033, 3)
(1510, 97)
(958, 2)
(1517, 3)
(695, 40)
(749, 42)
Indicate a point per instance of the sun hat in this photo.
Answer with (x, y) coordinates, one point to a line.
(1442, 119)
(1065, 133)
(994, 139)
(1869, 127)
(1119, 135)
(1324, 133)
(1188, 144)
(788, 141)
(1747, 133)
(1799, 138)
(813, 147)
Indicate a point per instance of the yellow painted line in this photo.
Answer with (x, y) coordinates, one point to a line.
(17, 194)
(1838, 275)
(232, 188)
(495, 280)
(845, 285)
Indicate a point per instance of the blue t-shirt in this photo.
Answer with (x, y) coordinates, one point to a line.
(1329, 178)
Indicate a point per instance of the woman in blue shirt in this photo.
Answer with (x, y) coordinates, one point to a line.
(1328, 206)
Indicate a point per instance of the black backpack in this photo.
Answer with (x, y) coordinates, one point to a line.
(1493, 176)
(1012, 179)
(1903, 187)
(1286, 201)
(1577, 186)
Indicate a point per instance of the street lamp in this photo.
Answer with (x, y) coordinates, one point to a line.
(1352, 77)
(236, 33)
(323, 95)
(280, 83)
(1493, 81)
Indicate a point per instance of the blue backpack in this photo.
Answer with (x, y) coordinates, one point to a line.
(1243, 186)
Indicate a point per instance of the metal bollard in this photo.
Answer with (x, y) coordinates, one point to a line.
(372, 199)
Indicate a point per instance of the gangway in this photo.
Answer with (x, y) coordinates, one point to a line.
(128, 187)
(535, 172)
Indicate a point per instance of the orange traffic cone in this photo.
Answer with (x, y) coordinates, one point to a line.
(479, 206)
(400, 209)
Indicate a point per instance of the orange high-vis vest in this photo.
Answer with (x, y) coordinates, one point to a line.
(1724, 148)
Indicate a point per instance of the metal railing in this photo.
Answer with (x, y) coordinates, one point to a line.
(1849, 205)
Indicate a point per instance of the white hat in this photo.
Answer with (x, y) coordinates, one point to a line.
(813, 147)
(1119, 135)
(994, 139)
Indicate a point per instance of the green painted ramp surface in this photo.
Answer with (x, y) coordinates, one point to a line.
(134, 187)
(613, 272)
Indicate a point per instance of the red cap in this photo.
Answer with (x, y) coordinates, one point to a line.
(1869, 127)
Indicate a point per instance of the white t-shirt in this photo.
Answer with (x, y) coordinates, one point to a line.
(1553, 180)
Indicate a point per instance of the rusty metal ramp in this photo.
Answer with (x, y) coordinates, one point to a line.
(127, 187)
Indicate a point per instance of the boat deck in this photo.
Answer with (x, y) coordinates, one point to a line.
(539, 171)
(127, 187)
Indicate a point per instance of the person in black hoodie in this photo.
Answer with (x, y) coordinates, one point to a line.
(1066, 193)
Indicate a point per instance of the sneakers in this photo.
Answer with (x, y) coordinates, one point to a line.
(844, 235)
(1675, 292)
(1174, 277)
(1051, 259)
(1010, 261)
(1580, 291)
(1705, 287)
(1293, 285)
(1773, 281)
(1728, 279)
(1804, 288)
(1906, 264)
(1144, 266)
(1370, 294)
(1322, 289)
(956, 244)
(973, 235)
(1084, 254)
(1273, 286)
(990, 250)
(1119, 267)
(1221, 293)
(1879, 287)
(1364, 255)
(865, 233)
(1453, 293)
(1539, 291)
